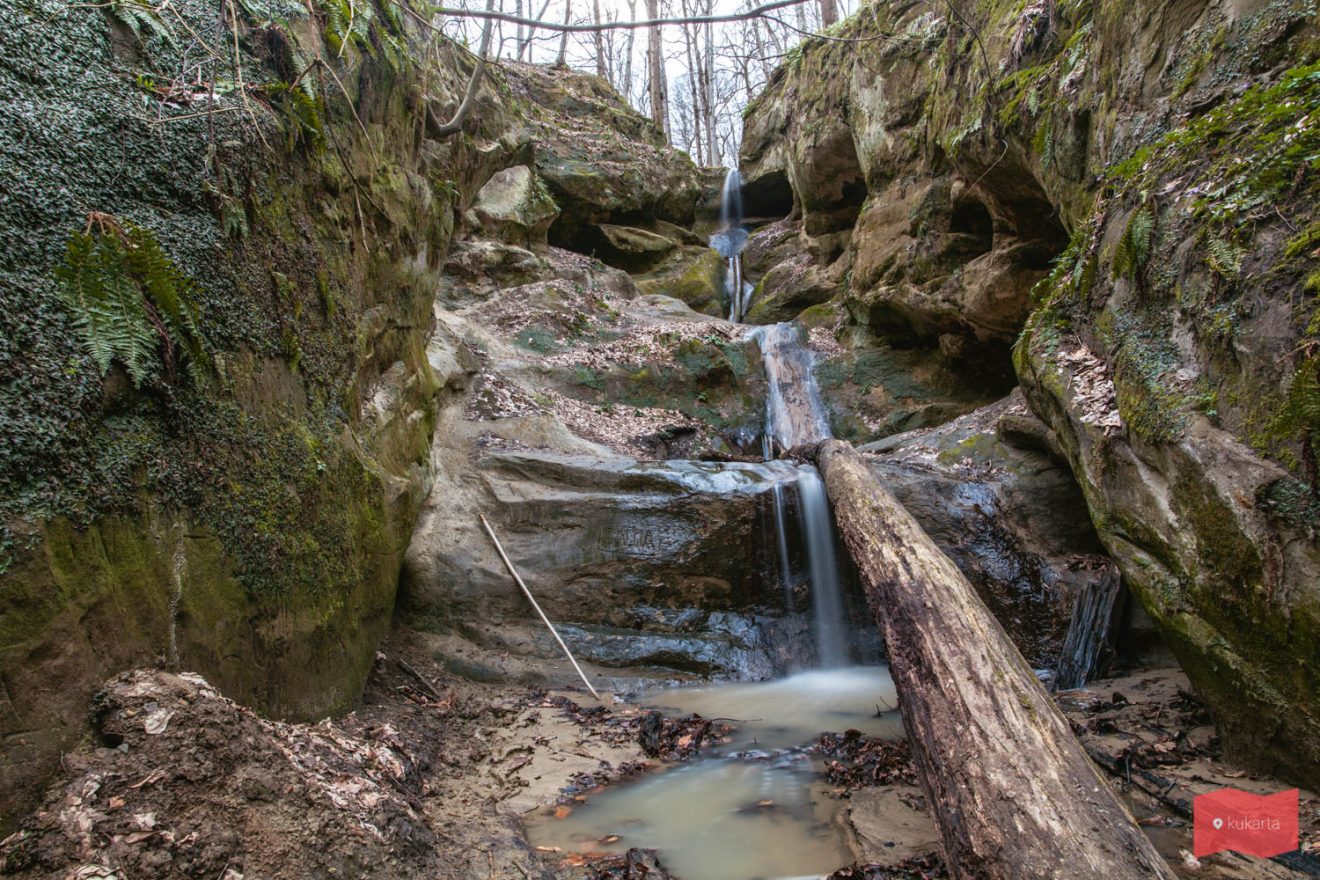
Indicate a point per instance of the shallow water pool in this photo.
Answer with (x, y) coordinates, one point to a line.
(752, 809)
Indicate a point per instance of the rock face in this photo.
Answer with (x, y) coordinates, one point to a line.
(666, 565)
(513, 206)
(991, 493)
(603, 163)
(1160, 157)
(235, 494)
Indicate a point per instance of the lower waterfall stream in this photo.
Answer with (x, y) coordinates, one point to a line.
(756, 808)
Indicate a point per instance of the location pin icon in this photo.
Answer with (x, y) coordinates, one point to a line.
(1218, 823)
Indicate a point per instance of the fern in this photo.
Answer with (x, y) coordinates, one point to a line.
(1225, 258)
(1133, 250)
(303, 120)
(302, 63)
(142, 19)
(131, 303)
(1304, 397)
(348, 22)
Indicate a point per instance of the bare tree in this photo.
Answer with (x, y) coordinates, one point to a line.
(656, 69)
(599, 40)
(561, 61)
(628, 55)
(518, 31)
(718, 62)
(525, 48)
(708, 90)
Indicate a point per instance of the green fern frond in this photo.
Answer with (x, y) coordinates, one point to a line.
(348, 22)
(131, 303)
(1225, 258)
(1304, 396)
(303, 120)
(302, 63)
(143, 19)
(1133, 249)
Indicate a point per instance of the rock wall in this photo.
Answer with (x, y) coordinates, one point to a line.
(1125, 192)
(224, 475)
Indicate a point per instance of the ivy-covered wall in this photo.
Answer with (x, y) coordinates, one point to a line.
(221, 226)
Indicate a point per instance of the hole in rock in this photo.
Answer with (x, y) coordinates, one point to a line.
(768, 196)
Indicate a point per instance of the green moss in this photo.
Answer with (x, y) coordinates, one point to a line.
(1303, 243)
(1243, 153)
(698, 281)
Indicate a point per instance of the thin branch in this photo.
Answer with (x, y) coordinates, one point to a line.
(985, 59)
(238, 75)
(754, 12)
(818, 36)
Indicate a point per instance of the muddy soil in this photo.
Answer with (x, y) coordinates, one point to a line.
(430, 776)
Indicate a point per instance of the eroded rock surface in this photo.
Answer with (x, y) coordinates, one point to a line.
(1164, 156)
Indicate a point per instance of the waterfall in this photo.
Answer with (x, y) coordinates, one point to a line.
(826, 585)
(729, 242)
(795, 414)
(731, 213)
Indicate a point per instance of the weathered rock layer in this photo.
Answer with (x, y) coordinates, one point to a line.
(1161, 158)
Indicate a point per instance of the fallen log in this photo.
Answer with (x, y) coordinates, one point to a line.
(1014, 793)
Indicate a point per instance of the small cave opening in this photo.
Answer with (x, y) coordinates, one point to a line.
(971, 228)
(636, 248)
(969, 215)
(768, 196)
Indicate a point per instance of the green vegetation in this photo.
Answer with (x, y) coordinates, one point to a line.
(1133, 250)
(131, 303)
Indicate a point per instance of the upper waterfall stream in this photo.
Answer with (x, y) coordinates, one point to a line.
(729, 241)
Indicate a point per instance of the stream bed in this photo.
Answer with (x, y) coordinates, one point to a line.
(755, 808)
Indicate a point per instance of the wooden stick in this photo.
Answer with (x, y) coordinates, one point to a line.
(530, 598)
(430, 688)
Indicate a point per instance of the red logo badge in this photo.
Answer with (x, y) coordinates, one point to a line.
(1252, 824)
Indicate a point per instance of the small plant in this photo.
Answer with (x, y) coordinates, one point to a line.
(131, 303)
(143, 19)
(1225, 258)
(1302, 414)
(303, 119)
(1133, 250)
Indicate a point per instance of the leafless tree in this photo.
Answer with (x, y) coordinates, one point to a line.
(716, 63)
(656, 69)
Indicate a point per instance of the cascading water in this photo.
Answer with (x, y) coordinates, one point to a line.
(755, 808)
(729, 242)
(794, 414)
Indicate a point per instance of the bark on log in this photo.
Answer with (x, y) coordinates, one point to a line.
(1015, 794)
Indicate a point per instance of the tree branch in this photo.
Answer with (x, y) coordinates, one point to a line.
(455, 125)
(754, 12)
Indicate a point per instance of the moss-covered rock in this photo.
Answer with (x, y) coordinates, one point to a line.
(1167, 156)
(695, 275)
(246, 519)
